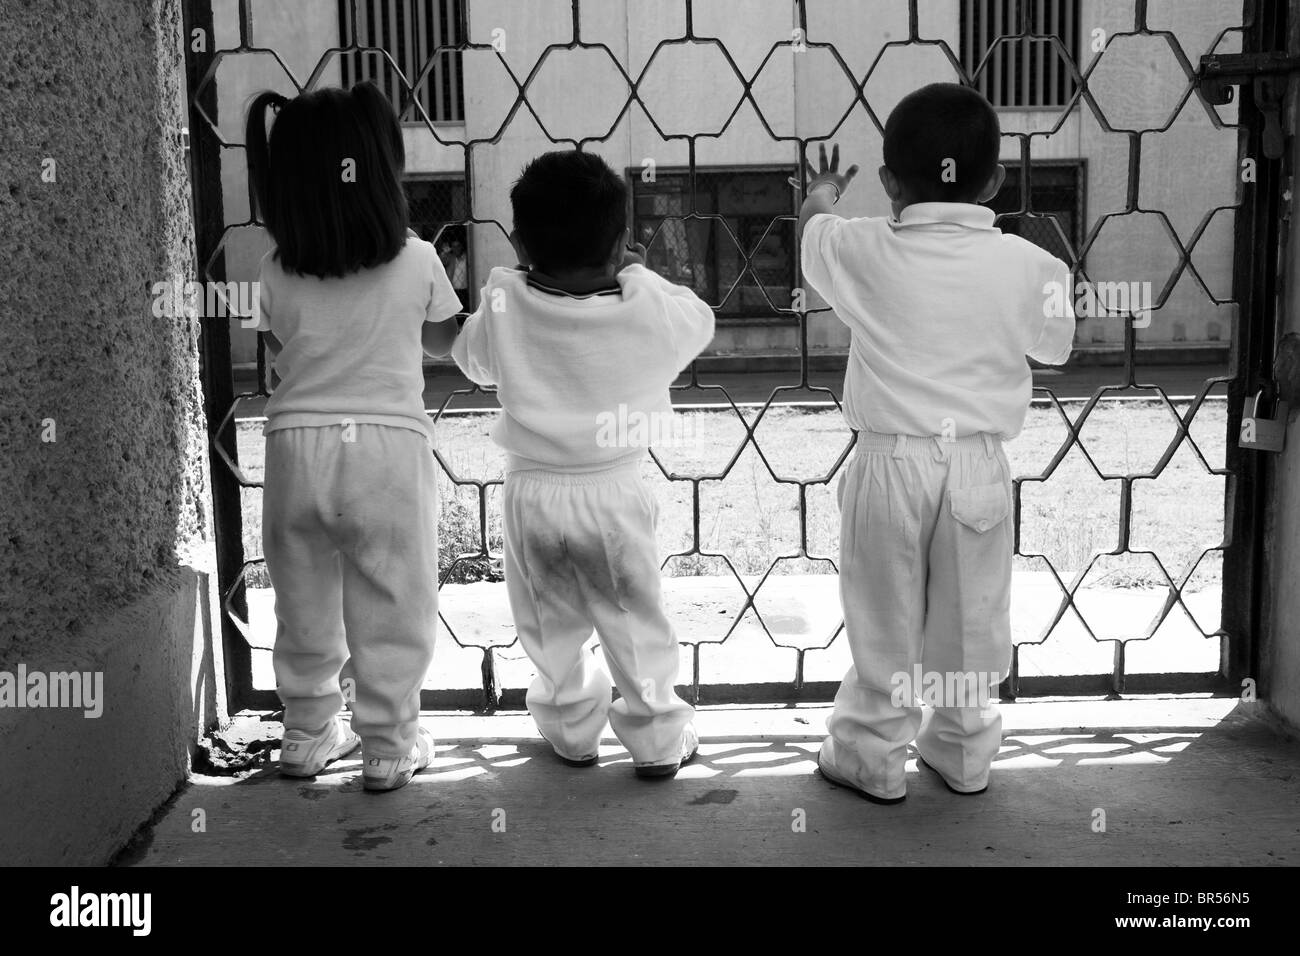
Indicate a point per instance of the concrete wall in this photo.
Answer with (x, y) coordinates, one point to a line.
(104, 518)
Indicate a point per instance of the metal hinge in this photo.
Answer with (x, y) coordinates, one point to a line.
(1267, 73)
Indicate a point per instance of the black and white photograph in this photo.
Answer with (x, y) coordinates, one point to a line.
(651, 434)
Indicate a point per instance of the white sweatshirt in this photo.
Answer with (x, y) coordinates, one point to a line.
(943, 308)
(568, 367)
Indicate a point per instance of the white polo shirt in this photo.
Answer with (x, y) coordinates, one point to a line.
(580, 376)
(943, 308)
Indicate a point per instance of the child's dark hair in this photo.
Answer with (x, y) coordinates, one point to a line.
(327, 180)
(569, 210)
(937, 123)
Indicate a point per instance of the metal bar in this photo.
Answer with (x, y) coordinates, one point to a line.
(994, 30)
(346, 34)
(1256, 233)
(970, 48)
(365, 37)
(410, 62)
(1070, 42)
(1042, 53)
(392, 43)
(458, 34)
(1052, 93)
(214, 353)
(1024, 50)
(431, 40)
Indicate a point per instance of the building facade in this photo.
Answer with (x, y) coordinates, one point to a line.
(473, 116)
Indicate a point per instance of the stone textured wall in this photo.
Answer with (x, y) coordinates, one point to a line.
(110, 508)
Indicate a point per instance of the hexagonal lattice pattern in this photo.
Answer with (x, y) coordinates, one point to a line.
(749, 524)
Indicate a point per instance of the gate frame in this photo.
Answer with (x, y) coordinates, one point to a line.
(1256, 281)
(1257, 264)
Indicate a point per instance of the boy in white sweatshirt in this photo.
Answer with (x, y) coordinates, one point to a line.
(580, 335)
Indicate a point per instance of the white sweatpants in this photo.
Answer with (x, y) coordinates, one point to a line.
(580, 553)
(349, 530)
(925, 579)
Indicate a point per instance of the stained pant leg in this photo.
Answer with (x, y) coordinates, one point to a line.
(569, 698)
(615, 554)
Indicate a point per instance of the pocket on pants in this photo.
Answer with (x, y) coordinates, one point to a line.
(981, 586)
(980, 508)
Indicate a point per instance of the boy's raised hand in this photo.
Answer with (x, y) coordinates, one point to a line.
(633, 255)
(829, 172)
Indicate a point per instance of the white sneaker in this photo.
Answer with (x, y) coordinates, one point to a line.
(393, 773)
(305, 755)
(689, 746)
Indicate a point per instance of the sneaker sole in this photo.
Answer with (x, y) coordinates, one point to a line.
(305, 770)
(378, 786)
(583, 762)
(951, 789)
(569, 761)
(837, 781)
(657, 771)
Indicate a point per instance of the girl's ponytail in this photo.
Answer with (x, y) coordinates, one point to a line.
(331, 197)
(258, 153)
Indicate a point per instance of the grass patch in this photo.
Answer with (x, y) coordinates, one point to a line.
(752, 515)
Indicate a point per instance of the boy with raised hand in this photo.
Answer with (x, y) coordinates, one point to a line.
(943, 310)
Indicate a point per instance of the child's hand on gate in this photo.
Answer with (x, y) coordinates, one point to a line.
(828, 175)
(633, 255)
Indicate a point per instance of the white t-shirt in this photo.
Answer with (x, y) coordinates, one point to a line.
(582, 380)
(351, 345)
(943, 308)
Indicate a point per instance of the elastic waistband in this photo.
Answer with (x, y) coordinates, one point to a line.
(285, 421)
(919, 446)
(545, 476)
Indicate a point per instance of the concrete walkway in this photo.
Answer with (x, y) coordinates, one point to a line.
(1177, 782)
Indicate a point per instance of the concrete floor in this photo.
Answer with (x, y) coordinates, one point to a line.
(1180, 782)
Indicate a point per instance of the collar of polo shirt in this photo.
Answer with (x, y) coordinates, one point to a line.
(965, 214)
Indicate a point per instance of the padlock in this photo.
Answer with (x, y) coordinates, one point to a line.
(1264, 434)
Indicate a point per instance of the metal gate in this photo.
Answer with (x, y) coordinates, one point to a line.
(1021, 53)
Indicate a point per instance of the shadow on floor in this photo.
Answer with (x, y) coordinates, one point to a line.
(1156, 795)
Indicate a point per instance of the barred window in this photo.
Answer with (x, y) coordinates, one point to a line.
(1056, 191)
(413, 33)
(438, 205)
(1024, 72)
(700, 254)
